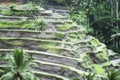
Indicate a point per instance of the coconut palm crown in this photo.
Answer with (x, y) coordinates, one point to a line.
(17, 67)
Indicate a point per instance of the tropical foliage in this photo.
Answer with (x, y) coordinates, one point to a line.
(113, 75)
(17, 67)
(90, 76)
(102, 16)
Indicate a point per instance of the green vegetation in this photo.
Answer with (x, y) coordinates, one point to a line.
(28, 9)
(15, 13)
(15, 43)
(75, 35)
(98, 69)
(18, 67)
(113, 75)
(40, 23)
(48, 45)
(37, 25)
(19, 24)
(59, 35)
(95, 42)
(99, 19)
(74, 78)
(90, 76)
(66, 27)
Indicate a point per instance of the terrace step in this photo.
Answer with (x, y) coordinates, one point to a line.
(37, 45)
(15, 18)
(59, 69)
(59, 50)
(53, 67)
(58, 9)
(36, 34)
(115, 62)
(52, 41)
(113, 55)
(49, 76)
(51, 7)
(46, 13)
(58, 21)
(21, 42)
(61, 11)
(50, 57)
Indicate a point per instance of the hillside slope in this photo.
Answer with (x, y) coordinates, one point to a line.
(61, 47)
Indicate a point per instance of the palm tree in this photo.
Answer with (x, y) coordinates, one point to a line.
(18, 67)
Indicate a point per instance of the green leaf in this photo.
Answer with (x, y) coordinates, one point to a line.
(7, 76)
(18, 57)
(113, 75)
(28, 76)
(5, 69)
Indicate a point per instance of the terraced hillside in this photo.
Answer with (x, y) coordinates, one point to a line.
(61, 48)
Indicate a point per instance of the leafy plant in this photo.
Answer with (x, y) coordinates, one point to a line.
(100, 15)
(74, 78)
(113, 75)
(18, 67)
(90, 76)
(39, 24)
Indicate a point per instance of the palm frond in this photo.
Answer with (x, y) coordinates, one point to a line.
(18, 57)
(4, 68)
(18, 67)
(8, 76)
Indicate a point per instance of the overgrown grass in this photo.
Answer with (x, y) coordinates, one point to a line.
(23, 24)
(19, 24)
(16, 13)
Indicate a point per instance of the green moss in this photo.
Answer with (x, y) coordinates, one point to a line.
(73, 39)
(102, 55)
(105, 54)
(106, 64)
(16, 13)
(75, 35)
(15, 43)
(50, 47)
(47, 45)
(95, 42)
(98, 69)
(21, 25)
(52, 50)
(59, 35)
(18, 10)
(86, 57)
(86, 65)
(65, 27)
